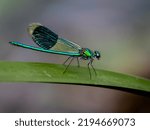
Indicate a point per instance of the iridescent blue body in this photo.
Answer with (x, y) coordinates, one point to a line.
(50, 42)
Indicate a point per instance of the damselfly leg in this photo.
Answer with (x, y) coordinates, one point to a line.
(90, 63)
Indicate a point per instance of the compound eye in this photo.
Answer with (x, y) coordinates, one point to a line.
(97, 54)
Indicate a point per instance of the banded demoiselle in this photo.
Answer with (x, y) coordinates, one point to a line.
(50, 42)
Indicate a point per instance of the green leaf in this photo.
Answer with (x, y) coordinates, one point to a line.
(53, 73)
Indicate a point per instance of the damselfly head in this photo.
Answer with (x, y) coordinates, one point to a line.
(97, 54)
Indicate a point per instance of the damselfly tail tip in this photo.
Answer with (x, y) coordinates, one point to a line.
(11, 42)
(14, 43)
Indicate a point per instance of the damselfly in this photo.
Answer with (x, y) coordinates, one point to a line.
(50, 42)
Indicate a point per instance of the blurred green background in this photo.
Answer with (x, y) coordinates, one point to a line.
(119, 29)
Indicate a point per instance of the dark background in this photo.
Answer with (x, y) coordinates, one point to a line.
(120, 29)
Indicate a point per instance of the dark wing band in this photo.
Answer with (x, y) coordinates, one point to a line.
(44, 37)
